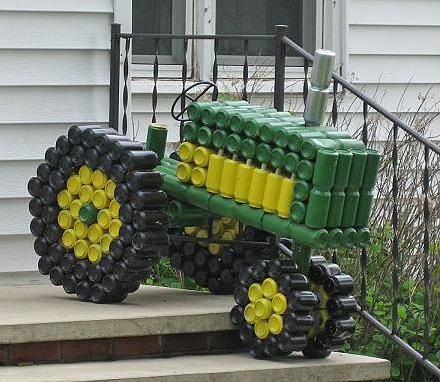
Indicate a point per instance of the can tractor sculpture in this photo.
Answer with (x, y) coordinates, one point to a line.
(243, 207)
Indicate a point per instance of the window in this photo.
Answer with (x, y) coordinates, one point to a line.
(225, 17)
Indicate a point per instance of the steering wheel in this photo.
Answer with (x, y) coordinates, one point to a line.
(205, 85)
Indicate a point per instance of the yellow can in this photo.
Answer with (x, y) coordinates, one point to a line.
(114, 207)
(229, 175)
(110, 187)
(249, 313)
(261, 329)
(214, 175)
(65, 219)
(86, 193)
(100, 199)
(279, 303)
(228, 221)
(229, 234)
(201, 156)
(81, 229)
(99, 179)
(270, 288)
(114, 227)
(64, 199)
(243, 182)
(272, 192)
(75, 207)
(263, 308)
(275, 324)
(255, 292)
(85, 173)
(68, 238)
(105, 243)
(74, 184)
(186, 151)
(198, 176)
(256, 189)
(95, 233)
(104, 218)
(94, 253)
(286, 198)
(183, 171)
(217, 228)
(191, 231)
(81, 248)
(214, 249)
(202, 234)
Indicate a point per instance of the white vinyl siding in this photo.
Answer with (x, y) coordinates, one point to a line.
(54, 60)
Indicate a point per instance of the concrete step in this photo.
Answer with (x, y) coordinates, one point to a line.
(229, 367)
(40, 324)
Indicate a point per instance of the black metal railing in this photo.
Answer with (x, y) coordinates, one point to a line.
(431, 154)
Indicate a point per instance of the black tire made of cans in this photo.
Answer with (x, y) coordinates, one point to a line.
(142, 236)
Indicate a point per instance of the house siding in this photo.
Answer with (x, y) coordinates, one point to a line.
(54, 64)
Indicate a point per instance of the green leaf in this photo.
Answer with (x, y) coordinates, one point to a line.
(401, 312)
(395, 372)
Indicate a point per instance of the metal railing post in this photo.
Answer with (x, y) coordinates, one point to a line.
(115, 53)
(280, 67)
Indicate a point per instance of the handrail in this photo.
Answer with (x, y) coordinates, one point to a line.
(347, 85)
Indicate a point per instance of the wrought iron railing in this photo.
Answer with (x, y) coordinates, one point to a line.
(431, 152)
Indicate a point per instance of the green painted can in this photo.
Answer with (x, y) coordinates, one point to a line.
(253, 126)
(296, 121)
(174, 187)
(237, 123)
(223, 206)
(278, 114)
(233, 143)
(305, 169)
(195, 109)
(209, 113)
(157, 139)
(236, 103)
(357, 169)
(364, 208)
(281, 136)
(296, 139)
(248, 148)
(198, 197)
(204, 136)
(332, 134)
(219, 138)
(318, 208)
(263, 153)
(88, 213)
(166, 170)
(298, 211)
(291, 163)
(186, 215)
(274, 224)
(336, 237)
(371, 169)
(350, 208)
(310, 147)
(350, 238)
(169, 161)
(351, 144)
(267, 130)
(251, 216)
(190, 132)
(302, 190)
(222, 116)
(336, 209)
(342, 170)
(277, 158)
(310, 237)
(363, 237)
(325, 169)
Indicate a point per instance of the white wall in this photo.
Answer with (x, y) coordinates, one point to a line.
(54, 71)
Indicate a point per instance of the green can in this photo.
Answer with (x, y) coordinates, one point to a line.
(263, 153)
(298, 211)
(296, 139)
(296, 121)
(336, 209)
(332, 134)
(350, 238)
(253, 126)
(357, 169)
(351, 144)
(236, 103)
(278, 114)
(190, 132)
(187, 215)
(166, 170)
(274, 224)
(318, 208)
(306, 169)
(350, 208)
(157, 139)
(325, 169)
(281, 136)
(364, 208)
(209, 113)
(223, 206)
(291, 163)
(219, 138)
(343, 168)
(174, 187)
(223, 116)
(237, 122)
(277, 158)
(336, 237)
(310, 147)
(198, 197)
(371, 169)
(301, 190)
(204, 136)
(248, 148)
(233, 143)
(251, 216)
(194, 110)
(267, 130)
(309, 237)
(363, 237)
